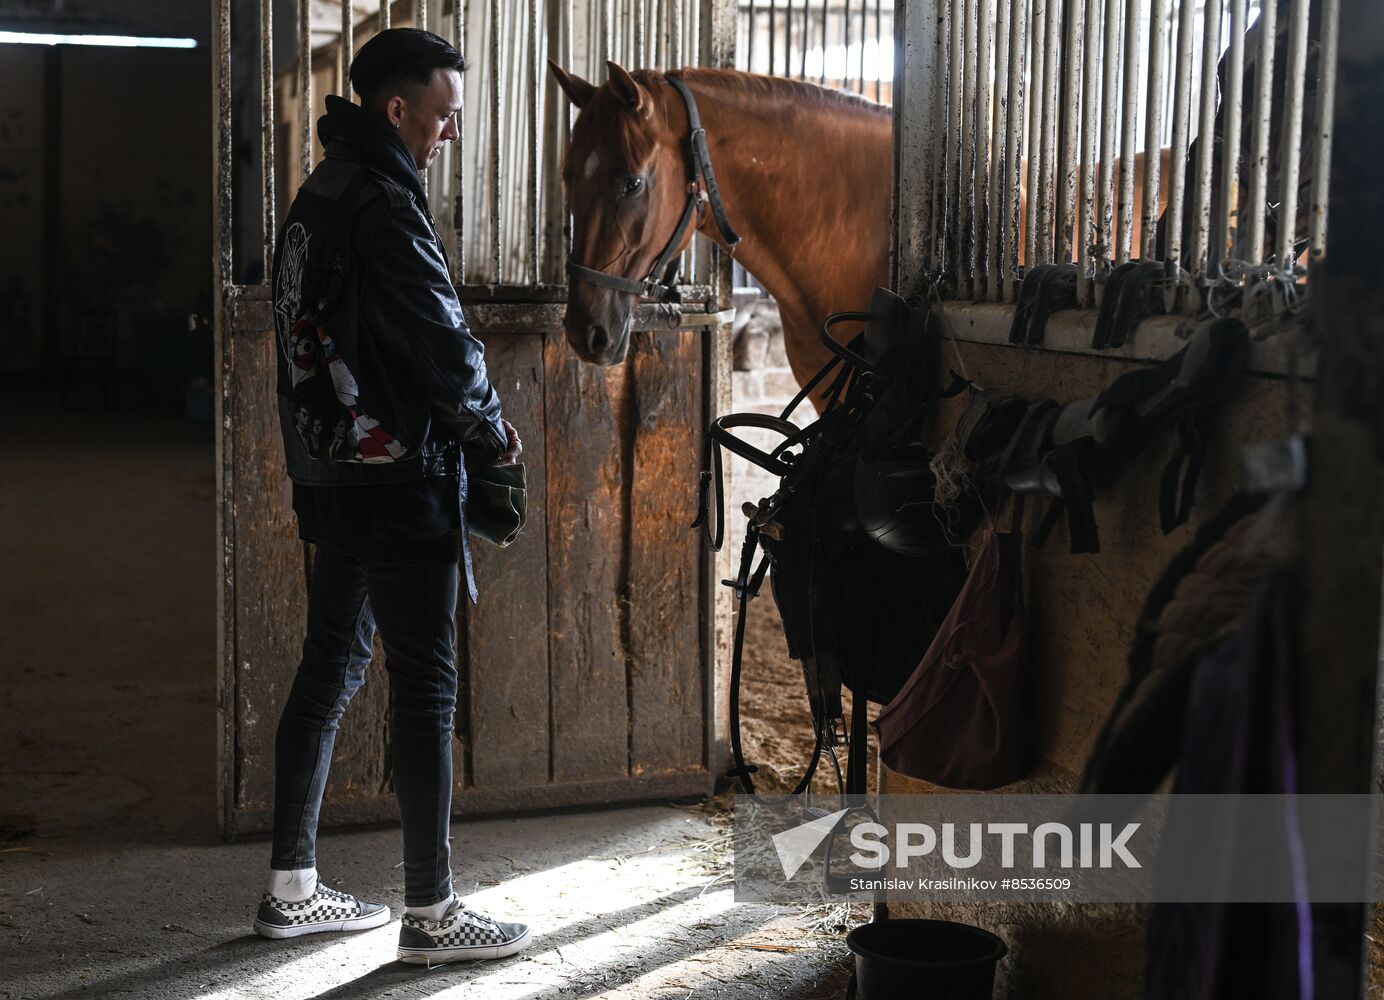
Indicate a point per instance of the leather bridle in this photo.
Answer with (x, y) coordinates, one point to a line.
(701, 190)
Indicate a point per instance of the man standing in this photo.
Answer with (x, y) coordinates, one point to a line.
(384, 401)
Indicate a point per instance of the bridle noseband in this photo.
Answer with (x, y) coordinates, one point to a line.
(701, 190)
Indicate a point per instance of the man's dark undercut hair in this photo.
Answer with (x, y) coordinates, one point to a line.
(400, 60)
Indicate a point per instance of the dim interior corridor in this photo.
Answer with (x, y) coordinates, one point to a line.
(107, 577)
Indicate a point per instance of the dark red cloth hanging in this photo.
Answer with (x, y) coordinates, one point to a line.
(958, 720)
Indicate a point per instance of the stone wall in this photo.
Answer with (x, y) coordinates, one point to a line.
(761, 383)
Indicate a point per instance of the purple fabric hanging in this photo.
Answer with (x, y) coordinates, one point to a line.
(958, 720)
(1238, 737)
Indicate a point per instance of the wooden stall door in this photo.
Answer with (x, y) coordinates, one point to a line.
(584, 669)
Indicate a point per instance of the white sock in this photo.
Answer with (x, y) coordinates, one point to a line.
(433, 912)
(292, 886)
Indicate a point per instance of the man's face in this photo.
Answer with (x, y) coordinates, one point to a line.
(430, 118)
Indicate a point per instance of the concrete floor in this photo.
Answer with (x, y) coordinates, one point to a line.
(112, 880)
(624, 904)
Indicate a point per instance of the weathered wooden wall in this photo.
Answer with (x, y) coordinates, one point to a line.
(1082, 610)
(582, 667)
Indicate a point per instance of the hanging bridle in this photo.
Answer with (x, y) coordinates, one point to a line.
(701, 190)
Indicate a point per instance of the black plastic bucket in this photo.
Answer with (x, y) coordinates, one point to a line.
(924, 960)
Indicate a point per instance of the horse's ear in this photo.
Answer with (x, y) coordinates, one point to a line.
(578, 91)
(625, 86)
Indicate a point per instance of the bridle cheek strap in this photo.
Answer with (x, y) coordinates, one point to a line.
(659, 283)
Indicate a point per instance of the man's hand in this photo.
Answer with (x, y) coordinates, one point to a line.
(513, 446)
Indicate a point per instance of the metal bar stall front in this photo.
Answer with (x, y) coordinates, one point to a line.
(534, 222)
(1259, 142)
(1037, 64)
(860, 60)
(511, 228)
(1201, 205)
(1070, 115)
(773, 36)
(753, 30)
(677, 32)
(607, 44)
(1291, 136)
(1182, 113)
(996, 200)
(1116, 83)
(223, 267)
(879, 48)
(305, 83)
(822, 74)
(268, 205)
(658, 54)
(1153, 127)
(789, 23)
(640, 38)
(1090, 150)
(347, 48)
(1013, 145)
(494, 141)
(1111, 57)
(1129, 128)
(937, 132)
(923, 39)
(1326, 107)
(1047, 174)
(950, 260)
(846, 47)
(1228, 218)
(831, 42)
(985, 30)
(966, 186)
(459, 8)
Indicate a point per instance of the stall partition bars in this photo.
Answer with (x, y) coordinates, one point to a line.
(520, 122)
(1042, 113)
(844, 44)
(496, 193)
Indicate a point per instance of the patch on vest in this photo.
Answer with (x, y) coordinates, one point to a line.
(293, 258)
(327, 414)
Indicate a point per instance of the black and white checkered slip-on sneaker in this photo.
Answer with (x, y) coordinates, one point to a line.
(462, 935)
(325, 910)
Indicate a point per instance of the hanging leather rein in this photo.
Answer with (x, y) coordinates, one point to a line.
(701, 190)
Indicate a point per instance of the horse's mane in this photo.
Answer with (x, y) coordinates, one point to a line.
(730, 82)
(727, 84)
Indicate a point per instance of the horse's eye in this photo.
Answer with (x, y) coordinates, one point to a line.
(631, 185)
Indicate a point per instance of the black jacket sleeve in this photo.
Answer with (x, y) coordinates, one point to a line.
(427, 337)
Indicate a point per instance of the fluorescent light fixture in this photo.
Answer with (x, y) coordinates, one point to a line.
(119, 41)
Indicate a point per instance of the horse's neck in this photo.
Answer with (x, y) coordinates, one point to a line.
(808, 189)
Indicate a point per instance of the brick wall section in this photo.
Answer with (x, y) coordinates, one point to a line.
(761, 383)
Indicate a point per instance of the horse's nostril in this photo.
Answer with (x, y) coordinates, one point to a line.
(598, 339)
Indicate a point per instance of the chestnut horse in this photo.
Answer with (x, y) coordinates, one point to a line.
(805, 174)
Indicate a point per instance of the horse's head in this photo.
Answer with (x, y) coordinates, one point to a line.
(626, 175)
